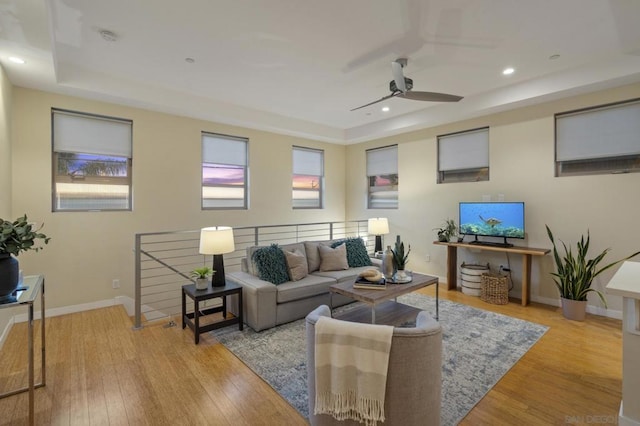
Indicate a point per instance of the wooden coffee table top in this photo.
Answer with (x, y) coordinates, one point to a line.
(375, 296)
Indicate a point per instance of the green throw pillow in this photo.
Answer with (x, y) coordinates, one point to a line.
(271, 264)
(356, 252)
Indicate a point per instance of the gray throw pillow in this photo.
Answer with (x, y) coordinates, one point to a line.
(333, 259)
(297, 263)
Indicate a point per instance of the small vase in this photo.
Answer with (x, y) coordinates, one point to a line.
(575, 310)
(9, 276)
(401, 276)
(202, 283)
(387, 263)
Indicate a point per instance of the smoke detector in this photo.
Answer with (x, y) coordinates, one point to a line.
(107, 35)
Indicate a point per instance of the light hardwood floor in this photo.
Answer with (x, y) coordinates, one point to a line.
(101, 372)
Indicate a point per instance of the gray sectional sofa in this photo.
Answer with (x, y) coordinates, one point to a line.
(267, 304)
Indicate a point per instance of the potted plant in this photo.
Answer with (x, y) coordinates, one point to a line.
(575, 274)
(15, 237)
(400, 259)
(447, 230)
(201, 276)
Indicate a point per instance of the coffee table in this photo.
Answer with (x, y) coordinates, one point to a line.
(389, 311)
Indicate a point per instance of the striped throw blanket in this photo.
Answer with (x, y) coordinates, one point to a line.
(351, 369)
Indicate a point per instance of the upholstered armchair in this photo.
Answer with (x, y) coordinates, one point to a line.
(414, 383)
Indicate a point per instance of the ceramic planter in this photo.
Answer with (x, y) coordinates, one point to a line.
(202, 283)
(575, 310)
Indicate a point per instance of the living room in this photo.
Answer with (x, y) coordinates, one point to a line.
(89, 250)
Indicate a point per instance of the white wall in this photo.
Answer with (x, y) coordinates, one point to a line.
(89, 249)
(521, 168)
(5, 167)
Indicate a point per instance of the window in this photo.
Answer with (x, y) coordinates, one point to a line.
(224, 172)
(382, 176)
(91, 162)
(308, 178)
(464, 156)
(603, 139)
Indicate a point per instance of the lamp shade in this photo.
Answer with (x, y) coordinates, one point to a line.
(378, 226)
(216, 240)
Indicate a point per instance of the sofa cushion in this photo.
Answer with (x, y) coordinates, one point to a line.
(271, 264)
(341, 276)
(313, 254)
(333, 259)
(297, 264)
(309, 286)
(356, 252)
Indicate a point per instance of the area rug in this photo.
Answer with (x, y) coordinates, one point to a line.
(479, 347)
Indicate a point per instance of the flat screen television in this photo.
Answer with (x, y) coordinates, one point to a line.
(492, 219)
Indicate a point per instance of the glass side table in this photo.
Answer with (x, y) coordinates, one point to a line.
(26, 295)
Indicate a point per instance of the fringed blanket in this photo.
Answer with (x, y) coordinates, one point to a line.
(351, 369)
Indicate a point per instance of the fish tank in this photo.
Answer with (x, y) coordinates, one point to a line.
(492, 219)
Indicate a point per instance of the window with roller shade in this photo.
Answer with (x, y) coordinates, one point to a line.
(92, 160)
(598, 140)
(225, 172)
(464, 156)
(308, 178)
(382, 177)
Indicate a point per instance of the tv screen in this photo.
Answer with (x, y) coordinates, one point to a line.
(498, 219)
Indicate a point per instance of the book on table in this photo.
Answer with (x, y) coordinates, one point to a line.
(363, 283)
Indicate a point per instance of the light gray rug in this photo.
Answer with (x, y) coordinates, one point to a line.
(479, 347)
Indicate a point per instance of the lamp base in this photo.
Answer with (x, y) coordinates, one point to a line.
(218, 279)
(378, 248)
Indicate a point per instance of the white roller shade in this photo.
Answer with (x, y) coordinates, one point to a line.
(468, 150)
(608, 132)
(382, 161)
(224, 150)
(308, 162)
(91, 135)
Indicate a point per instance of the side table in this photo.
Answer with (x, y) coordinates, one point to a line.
(192, 319)
(31, 286)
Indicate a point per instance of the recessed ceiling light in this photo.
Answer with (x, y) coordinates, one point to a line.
(16, 60)
(385, 109)
(552, 57)
(508, 71)
(189, 60)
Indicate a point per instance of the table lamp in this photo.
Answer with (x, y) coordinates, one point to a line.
(217, 240)
(378, 226)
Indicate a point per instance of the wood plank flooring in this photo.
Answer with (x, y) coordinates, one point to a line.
(101, 372)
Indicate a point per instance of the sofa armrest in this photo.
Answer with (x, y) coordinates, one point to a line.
(259, 300)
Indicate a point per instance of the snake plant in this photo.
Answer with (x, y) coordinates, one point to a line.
(575, 273)
(400, 258)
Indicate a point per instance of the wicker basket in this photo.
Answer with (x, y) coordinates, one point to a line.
(494, 289)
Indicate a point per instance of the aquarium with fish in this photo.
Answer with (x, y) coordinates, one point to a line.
(492, 219)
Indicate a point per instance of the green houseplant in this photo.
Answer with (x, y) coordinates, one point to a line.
(15, 237)
(575, 273)
(400, 258)
(447, 230)
(201, 276)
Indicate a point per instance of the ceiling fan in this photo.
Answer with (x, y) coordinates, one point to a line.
(401, 87)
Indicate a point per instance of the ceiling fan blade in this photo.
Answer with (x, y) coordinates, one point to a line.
(379, 100)
(398, 76)
(430, 96)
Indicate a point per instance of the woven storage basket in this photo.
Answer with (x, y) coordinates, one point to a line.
(494, 289)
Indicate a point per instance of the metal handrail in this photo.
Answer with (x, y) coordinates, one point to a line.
(164, 259)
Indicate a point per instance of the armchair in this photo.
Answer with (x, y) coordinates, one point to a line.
(413, 392)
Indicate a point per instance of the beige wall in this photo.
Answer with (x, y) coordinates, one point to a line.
(521, 168)
(89, 249)
(5, 166)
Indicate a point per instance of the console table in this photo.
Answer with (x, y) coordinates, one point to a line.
(27, 295)
(526, 252)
